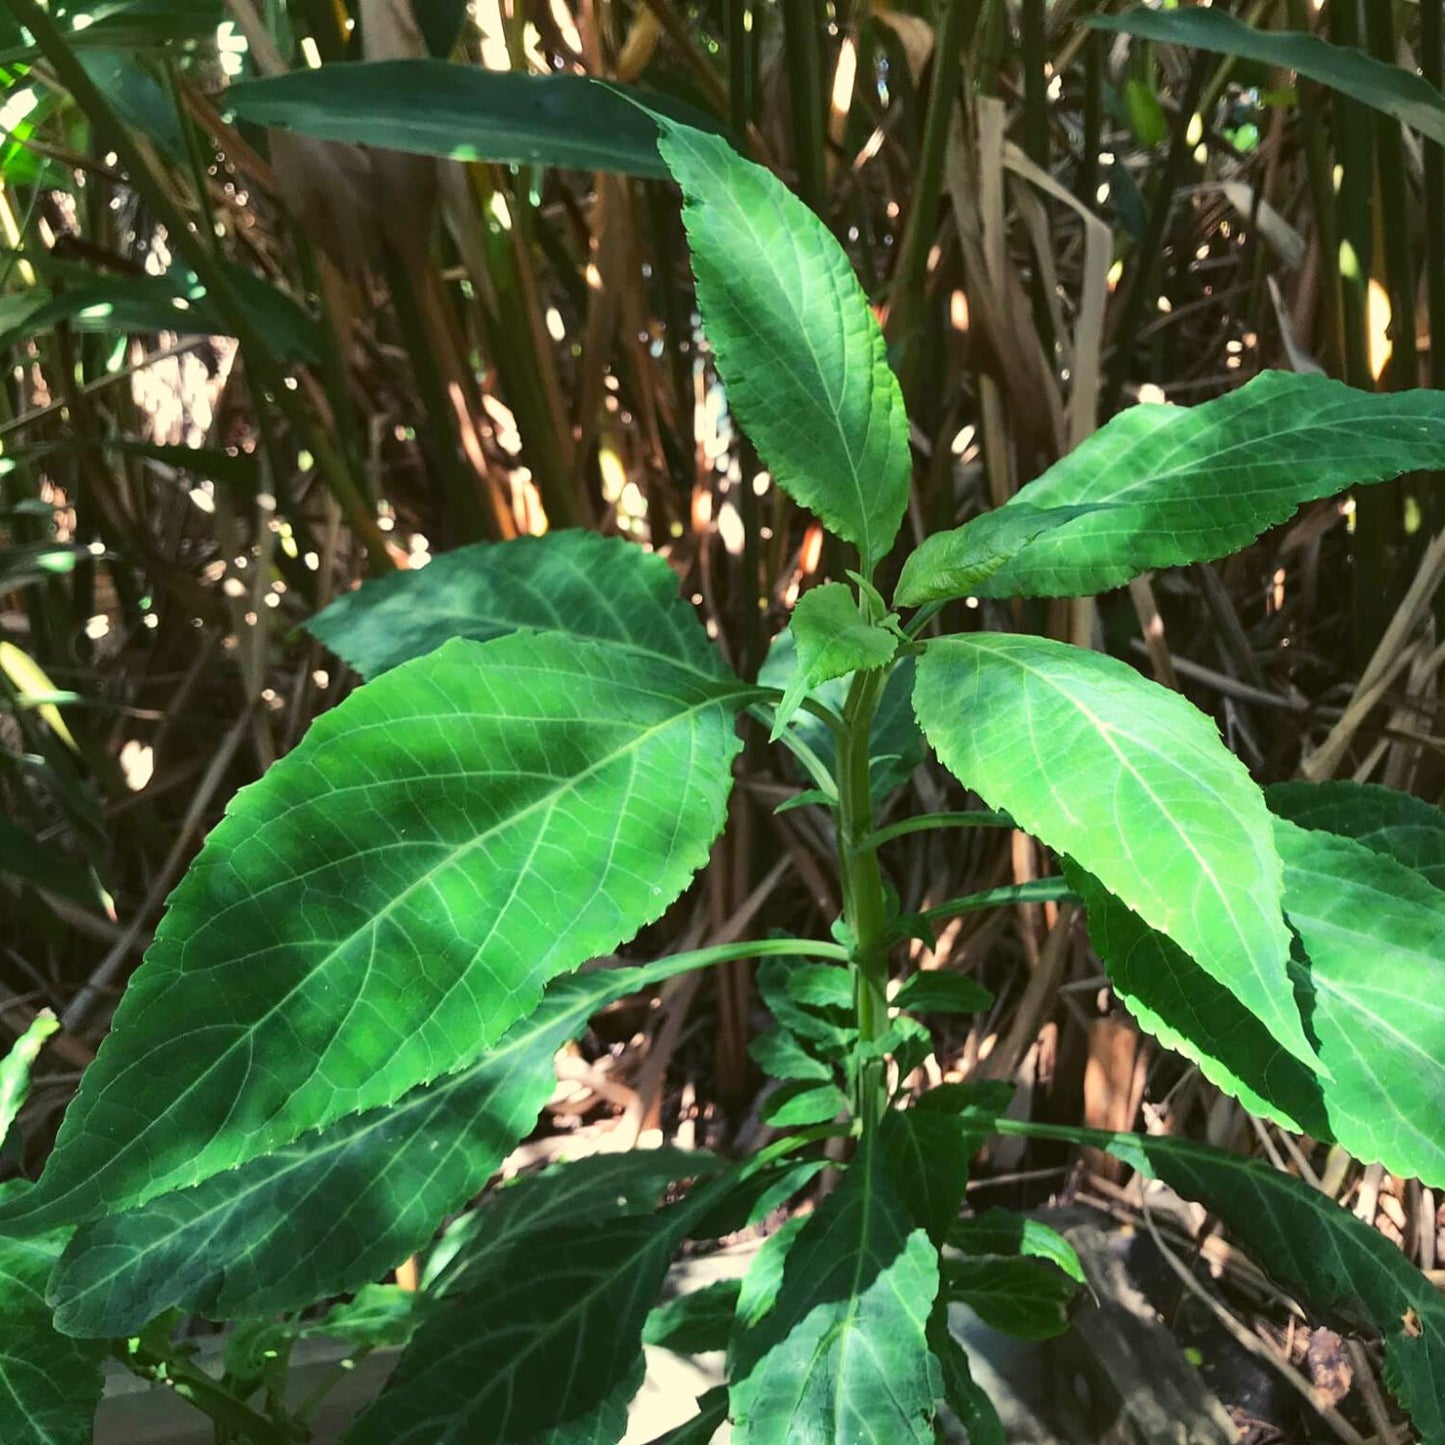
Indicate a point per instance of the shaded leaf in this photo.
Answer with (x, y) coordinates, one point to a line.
(541, 1345)
(1390, 89)
(49, 1385)
(1004, 1231)
(1134, 783)
(1409, 830)
(1160, 486)
(23, 855)
(842, 1354)
(962, 1394)
(383, 904)
(800, 1102)
(780, 1055)
(695, 1323)
(1024, 1297)
(798, 349)
(571, 582)
(928, 1153)
(381, 1316)
(430, 107)
(937, 990)
(340, 1205)
(1334, 1263)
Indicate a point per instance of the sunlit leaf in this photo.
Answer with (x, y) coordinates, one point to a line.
(1134, 783)
(798, 350)
(383, 904)
(1160, 486)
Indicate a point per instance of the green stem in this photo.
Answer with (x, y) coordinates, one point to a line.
(1036, 890)
(803, 49)
(864, 905)
(977, 819)
(197, 1388)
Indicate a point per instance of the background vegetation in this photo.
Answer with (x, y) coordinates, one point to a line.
(245, 368)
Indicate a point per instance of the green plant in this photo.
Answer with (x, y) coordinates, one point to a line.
(350, 1011)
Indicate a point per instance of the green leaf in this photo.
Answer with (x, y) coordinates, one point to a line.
(541, 1345)
(963, 1395)
(23, 855)
(595, 1188)
(928, 1154)
(830, 1038)
(1370, 977)
(430, 107)
(1003, 1231)
(1332, 1262)
(1160, 486)
(337, 1207)
(832, 640)
(1390, 89)
(381, 1316)
(760, 1286)
(798, 349)
(15, 1067)
(800, 1102)
(780, 1055)
(695, 1323)
(1186, 1010)
(896, 746)
(49, 1385)
(936, 990)
(712, 1410)
(1374, 933)
(1132, 782)
(842, 1354)
(570, 581)
(1409, 830)
(821, 985)
(1024, 1297)
(382, 905)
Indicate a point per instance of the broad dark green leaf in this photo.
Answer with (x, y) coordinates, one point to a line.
(800, 1102)
(1023, 1296)
(961, 1393)
(572, 582)
(928, 1153)
(1409, 830)
(1132, 782)
(1160, 486)
(337, 1207)
(832, 640)
(393, 896)
(434, 108)
(540, 1346)
(175, 302)
(1370, 976)
(694, 1323)
(1334, 1263)
(936, 990)
(842, 1354)
(1004, 1231)
(595, 1188)
(49, 1385)
(1390, 89)
(780, 1055)
(798, 349)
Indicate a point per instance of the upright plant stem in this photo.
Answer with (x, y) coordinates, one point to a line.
(802, 36)
(864, 906)
(1432, 64)
(909, 276)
